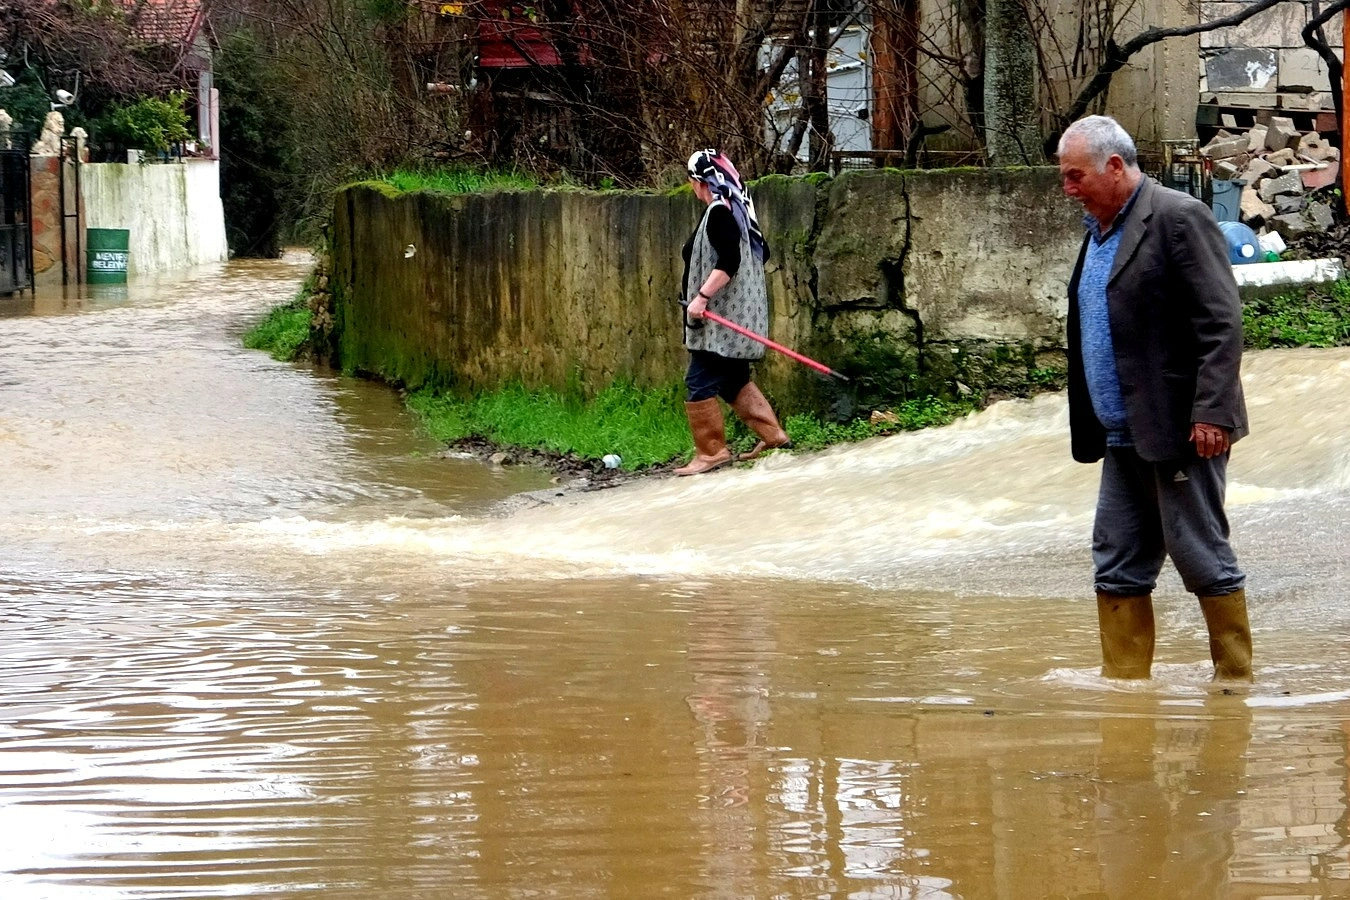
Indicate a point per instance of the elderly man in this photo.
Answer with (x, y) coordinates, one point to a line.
(1155, 345)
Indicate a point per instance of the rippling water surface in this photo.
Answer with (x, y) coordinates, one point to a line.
(259, 637)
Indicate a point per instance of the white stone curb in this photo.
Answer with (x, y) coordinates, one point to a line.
(1290, 272)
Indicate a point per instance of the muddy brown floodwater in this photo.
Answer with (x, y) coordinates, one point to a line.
(259, 637)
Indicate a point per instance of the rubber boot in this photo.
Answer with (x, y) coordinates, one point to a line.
(710, 439)
(1127, 635)
(1230, 635)
(754, 410)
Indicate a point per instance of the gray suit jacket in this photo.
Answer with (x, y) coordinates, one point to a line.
(1176, 327)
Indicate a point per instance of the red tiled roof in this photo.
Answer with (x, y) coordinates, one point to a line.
(173, 22)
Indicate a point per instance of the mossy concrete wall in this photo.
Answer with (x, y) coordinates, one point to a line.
(906, 281)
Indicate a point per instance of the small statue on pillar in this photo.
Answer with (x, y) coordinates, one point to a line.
(52, 129)
(81, 143)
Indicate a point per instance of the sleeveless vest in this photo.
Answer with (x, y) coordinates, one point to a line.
(745, 300)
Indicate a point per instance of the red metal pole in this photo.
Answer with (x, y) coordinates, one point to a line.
(791, 354)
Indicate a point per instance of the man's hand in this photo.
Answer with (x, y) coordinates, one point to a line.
(1210, 440)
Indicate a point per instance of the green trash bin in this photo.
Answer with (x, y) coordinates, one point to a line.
(107, 250)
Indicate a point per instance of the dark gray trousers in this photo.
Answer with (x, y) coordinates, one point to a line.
(1149, 511)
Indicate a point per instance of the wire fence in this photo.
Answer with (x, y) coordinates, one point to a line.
(1175, 164)
(107, 151)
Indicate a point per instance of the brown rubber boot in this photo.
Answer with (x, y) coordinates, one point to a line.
(1230, 635)
(1127, 635)
(754, 410)
(710, 439)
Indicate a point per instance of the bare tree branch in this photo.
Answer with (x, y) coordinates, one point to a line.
(1316, 39)
(1117, 55)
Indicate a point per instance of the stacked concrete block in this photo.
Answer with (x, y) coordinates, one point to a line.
(1279, 26)
(1281, 133)
(1263, 63)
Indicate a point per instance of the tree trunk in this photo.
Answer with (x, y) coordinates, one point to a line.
(1012, 129)
(815, 88)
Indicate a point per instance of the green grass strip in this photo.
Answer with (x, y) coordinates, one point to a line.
(644, 428)
(455, 180)
(282, 332)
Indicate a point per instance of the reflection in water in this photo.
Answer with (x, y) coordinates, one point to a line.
(1145, 847)
(729, 652)
(259, 637)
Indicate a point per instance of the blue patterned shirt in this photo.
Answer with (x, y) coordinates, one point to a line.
(1099, 357)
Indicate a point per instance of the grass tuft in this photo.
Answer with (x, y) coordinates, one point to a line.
(283, 332)
(810, 433)
(1317, 317)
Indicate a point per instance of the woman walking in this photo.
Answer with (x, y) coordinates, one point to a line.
(724, 272)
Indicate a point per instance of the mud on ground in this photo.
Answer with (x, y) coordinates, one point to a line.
(572, 474)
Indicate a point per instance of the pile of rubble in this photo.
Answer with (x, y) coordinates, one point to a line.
(1278, 166)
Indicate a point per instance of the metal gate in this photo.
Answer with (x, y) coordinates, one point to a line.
(71, 198)
(16, 216)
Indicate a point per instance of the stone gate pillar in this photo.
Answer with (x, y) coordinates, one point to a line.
(56, 229)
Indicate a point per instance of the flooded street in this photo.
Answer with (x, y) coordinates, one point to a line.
(260, 637)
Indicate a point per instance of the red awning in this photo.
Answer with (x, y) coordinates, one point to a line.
(508, 39)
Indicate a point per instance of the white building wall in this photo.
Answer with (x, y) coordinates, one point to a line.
(172, 210)
(849, 90)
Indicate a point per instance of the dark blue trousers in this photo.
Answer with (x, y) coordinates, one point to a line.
(710, 375)
(1149, 511)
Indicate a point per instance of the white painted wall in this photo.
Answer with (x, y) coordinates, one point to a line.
(848, 88)
(173, 211)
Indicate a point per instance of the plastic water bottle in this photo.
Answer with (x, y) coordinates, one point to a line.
(1242, 243)
(611, 460)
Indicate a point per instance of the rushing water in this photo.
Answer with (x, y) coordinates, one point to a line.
(259, 637)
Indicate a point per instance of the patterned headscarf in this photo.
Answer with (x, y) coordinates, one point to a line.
(717, 172)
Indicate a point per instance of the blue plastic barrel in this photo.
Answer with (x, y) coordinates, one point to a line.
(1226, 199)
(1243, 246)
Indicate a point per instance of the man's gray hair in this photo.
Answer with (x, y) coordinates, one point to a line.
(1104, 138)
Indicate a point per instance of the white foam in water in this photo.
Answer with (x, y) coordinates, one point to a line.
(1285, 701)
(943, 508)
(1176, 680)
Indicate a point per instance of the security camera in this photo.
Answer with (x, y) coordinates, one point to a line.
(65, 98)
(6, 79)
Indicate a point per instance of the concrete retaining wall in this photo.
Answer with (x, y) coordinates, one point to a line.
(906, 281)
(173, 211)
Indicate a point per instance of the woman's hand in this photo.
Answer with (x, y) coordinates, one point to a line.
(697, 306)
